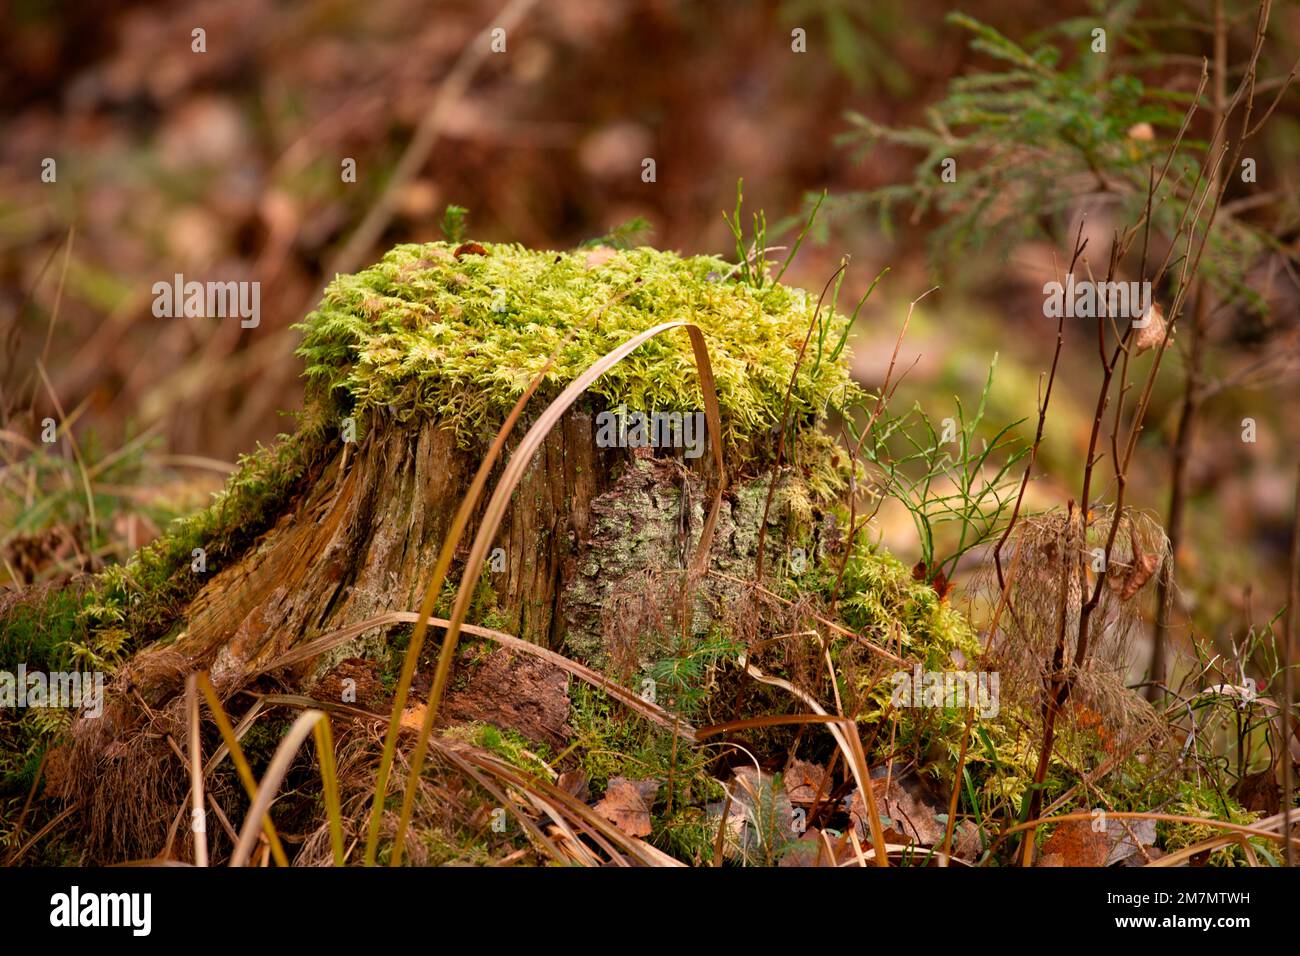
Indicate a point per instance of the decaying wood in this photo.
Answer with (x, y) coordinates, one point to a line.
(596, 545)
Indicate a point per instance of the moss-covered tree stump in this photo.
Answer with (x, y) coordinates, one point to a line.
(411, 367)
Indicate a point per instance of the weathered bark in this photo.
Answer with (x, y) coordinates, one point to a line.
(596, 544)
(584, 528)
(364, 539)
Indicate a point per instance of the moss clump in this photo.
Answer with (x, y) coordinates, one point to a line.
(40, 632)
(460, 337)
(141, 600)
(883, 598)
(1192, 800)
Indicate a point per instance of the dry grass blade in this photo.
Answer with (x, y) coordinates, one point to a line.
(720, 842)
(612, 840)
(904, 850)
(240, 729)
(27, 805)
(772, 720)
(534, 832)
(416, 646)
(496, 507)
(329, 779)
(65, 427)
(861, 771)
(270, 785)
(1240, 829)
(198, 826)
(42, 833)
(230, 737)
(850, 745)
(645, 708)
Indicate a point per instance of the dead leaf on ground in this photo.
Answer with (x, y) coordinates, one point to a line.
(627, 803)
(760, 819)
(1075, 843)
(803, 780)
(1259, 792)
(909, 811)
(574, 783)
(967, 844)
(810, 850)
(1121, 834)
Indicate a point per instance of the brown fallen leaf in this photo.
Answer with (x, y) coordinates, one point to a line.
(1076, 843)
(811, 850)
(574, 783)
(1122, 835)
(1259, 792)
(760, 816)
(626, 804)
(909, 810)
(967, 844)
(804, 852)
(802, 782)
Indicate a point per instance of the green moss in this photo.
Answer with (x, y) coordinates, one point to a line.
(423, 331)
(142, 600)
(510, 745)
(426, 332)
(41, 633)
(880, 594)
(1191, 800)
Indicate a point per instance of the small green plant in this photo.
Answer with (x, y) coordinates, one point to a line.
(862, 39)
(1025, 139)
(945, 474)
(626, 235)
(455, 219)
(751, 254)
(684, 682)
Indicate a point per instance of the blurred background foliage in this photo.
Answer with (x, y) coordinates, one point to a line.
(226, 165)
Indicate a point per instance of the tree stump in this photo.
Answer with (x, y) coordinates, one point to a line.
(411, 367)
